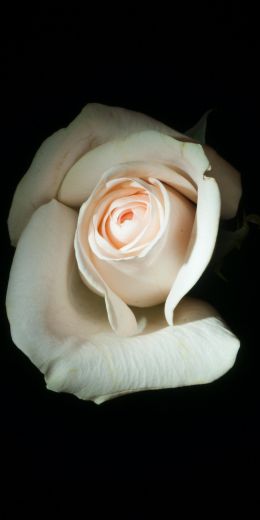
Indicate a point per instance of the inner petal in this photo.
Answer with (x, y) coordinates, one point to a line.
(124, 224)
(125, 215)
(130, 217)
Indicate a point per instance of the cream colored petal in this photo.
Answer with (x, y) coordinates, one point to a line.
(196, 351)
(45, 292)
(202, 244)
(95, 125)
(148, 146)
(63, 328)
(43, 303)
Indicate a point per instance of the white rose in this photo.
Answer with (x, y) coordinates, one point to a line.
(123, 206)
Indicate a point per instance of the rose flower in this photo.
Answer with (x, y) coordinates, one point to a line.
(114, 222)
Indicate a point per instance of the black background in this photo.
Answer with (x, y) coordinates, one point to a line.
(172, 66)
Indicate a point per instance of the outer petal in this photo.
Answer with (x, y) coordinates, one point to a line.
(201, 246)
(95, 125)
(63, 328)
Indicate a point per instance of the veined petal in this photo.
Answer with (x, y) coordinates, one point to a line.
(198, 350)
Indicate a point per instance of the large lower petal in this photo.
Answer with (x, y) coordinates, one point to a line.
(63, 328)
(198, 350)
(95, 125)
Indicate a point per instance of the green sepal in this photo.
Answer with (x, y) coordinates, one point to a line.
(199, 130)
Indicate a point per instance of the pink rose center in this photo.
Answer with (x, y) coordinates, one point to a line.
(125, 215)
(136, 232)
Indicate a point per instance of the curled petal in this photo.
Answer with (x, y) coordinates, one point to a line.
(197, 351)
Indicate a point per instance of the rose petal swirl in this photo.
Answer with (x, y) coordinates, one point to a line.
(136, 237)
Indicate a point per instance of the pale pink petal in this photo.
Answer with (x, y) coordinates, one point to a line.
(63, 328)
(146, 279)
(198, 350)
(95, 125)
(43, 305)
